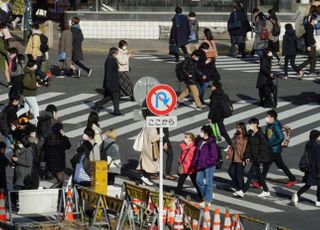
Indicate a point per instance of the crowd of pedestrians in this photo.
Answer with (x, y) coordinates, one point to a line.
(31, 137)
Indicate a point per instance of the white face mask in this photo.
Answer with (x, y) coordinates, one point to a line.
(202, 135)
(13, 128)
(124, 47)
(20, 146)
(85, 137)
(33, 134)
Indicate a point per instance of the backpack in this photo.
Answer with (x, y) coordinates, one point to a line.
(179, 71)
(264, 33)
(44, 47)
(287, 135)
(275, 29)
(226, 106)
(305, 163)
(104, 150)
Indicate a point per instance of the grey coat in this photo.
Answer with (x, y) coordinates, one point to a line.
(258, 43)
(112, 155)
(23, 166)
(77, 53)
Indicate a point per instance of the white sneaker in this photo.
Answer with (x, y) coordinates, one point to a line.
(146, 181)
(79, 73)
(317, 203)
(264, 194)
(294, 199)
(203, 204)
(238, 193)
(227, 149)
(89, 73)
(199, 108)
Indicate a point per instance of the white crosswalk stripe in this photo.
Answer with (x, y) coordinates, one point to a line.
(75, 108)
(247, 64)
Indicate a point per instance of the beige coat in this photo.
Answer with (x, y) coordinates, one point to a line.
(123, 60)
(97, 134)
(33, 46)
(65, 45)
(146, 161)
(270, 27)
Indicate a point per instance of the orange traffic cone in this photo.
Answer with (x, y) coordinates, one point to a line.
(194, 224)
(69, 206)
(206, 224)
(135, 208)
(238, 225)
(216, 219)
(171, 214)
(234, 221)
(227, 222)
(3, 216)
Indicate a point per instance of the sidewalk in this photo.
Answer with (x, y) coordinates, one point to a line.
(138, 46)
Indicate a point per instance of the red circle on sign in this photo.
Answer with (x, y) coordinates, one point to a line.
(156, 95)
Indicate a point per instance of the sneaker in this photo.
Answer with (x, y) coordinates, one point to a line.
(204, 204)
(279, 61)
(227, 149)
(239, 193)
(199, 108)
(79, 73)
(291, 183)
(264, 194)
(89, 73)
(255, 184)
(317, 203)
(301, 74)
(294, 199)
(169, 177)
(146, 181)
(285, 77)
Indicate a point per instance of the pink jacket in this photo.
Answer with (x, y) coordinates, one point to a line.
(186, 158)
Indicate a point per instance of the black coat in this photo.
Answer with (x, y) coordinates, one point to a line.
(309, 36)
(8, 114)
(257, 148)
(209, 69)
(45, 122)
(190, 67)
(264, 76)
(55, 152)
(216, 100)
(77, 35)
(245, 25)
(289, 44)
(312, 177)
(180, 30)
(111, 75)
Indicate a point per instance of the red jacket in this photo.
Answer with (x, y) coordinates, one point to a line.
(186, 158)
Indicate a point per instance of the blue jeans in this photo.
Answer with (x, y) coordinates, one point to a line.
(206, 187)
(259, 53)
(202, 88)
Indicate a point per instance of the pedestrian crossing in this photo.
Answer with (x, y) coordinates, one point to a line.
(246, 65)
(74, 109)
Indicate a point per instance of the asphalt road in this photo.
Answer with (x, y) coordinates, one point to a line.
(296, 105)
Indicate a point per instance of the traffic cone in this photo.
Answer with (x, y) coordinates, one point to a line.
(238, 224)
(69, 206)
(3, 216)
(216, 219)
(194, 224)
(135, 208)
(234, 221)
(171, 215)
(206, 224)
(227, 222)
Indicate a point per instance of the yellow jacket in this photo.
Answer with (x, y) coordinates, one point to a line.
(33, 46)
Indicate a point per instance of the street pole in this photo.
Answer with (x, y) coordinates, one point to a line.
(160, 224)
(27, 21)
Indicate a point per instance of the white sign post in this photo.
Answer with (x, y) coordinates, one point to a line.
(161, 100)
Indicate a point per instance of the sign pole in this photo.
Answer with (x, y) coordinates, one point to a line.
(161, 181)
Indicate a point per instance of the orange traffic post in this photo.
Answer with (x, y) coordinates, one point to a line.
(216, 219)
(227, 222)
(3, 215)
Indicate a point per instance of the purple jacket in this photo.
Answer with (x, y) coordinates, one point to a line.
(206, 155)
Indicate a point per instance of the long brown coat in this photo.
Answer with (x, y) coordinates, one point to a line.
(146, 162)
(66, 45)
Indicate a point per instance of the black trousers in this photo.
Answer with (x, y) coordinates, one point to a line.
(255, 170)
(292, 60)
(169, 160)
(115, 97)
(182, 179)
(223, 131)
(277, 159)
(184, 50)
(272, 46)
(82, 66)
(236, 172)
(312, 59)
(305, 188)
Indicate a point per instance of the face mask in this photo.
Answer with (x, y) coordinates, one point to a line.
(13, 128)
(186, 140)
(202, 135)
(250, 127)
(20, 146)
(270, 54)
(35, 67)
(124, 47)
(33, 134)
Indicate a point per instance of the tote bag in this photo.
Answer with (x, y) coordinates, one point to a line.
(138, 142)
(62, 56)
(212, 51)
(80, 174)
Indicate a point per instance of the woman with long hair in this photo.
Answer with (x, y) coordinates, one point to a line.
(236, 154)
(273, 42)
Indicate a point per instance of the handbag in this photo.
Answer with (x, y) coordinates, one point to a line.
(173, 49)
(180, 166)
(212, 51)
(192, 37)
(80, 174)
(155, 151)
(62, 56)
(138, 142)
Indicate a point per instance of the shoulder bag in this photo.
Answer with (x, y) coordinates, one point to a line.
(212, 51)
(180, 166)
(80, 174)
(138, 142)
